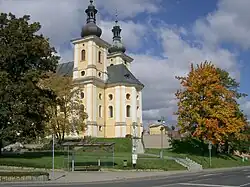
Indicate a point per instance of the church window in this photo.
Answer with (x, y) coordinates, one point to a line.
(100, 96)
(82, 108)
(99, 57)
(127, 96)
(110, 97)
(82, 73)
(100, 111)
(111, 64)
(83, 55)
(128, 108)
(111, 112)
(99, 74)
(82, 95)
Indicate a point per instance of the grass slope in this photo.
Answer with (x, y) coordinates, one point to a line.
(219, 161)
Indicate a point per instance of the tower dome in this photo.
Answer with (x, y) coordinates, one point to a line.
(117, 45)
(91, 28)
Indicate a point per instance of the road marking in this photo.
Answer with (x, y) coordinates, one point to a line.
(208, 185)
(245, 184)
(207, 175)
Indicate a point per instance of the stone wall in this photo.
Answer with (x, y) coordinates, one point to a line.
(154, 141)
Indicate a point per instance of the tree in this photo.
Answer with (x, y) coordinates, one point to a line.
(207, 108)
(66, 113)
(25, 57)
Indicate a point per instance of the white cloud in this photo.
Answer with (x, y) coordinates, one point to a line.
(229, 23)
(132, 33)
(62, 20)
(158, 74)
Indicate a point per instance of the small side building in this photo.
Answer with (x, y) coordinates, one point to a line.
(156, 129)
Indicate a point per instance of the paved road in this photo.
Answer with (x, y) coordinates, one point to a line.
(234, 178)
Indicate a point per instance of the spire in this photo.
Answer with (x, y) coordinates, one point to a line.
(91, 28)
(117, 45)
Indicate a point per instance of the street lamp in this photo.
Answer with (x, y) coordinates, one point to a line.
(162, 121)
(53, 156)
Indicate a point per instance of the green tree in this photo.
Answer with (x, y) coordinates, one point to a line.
(25, 56)
(66, 113)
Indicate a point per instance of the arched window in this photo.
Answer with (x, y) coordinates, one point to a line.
(83, 55)
(128, 111)
(82, 108)
(111, 114)
(100, 111)
(100, 56)
(82, 95)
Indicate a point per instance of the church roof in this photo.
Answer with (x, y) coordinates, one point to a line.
(65, 69)
(120, 74)
(116, 73)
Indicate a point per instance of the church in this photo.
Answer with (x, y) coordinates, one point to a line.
(110, 93)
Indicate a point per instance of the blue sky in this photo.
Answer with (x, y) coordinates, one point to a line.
(163, 37)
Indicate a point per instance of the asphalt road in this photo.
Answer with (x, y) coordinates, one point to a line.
(233, 178)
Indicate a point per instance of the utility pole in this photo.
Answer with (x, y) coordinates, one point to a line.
(162, 122)
(134, 146)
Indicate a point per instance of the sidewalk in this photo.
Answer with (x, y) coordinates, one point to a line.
(76, 177)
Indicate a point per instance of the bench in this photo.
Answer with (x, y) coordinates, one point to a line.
(87, 168)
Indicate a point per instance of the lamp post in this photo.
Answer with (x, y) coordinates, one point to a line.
(134, 146)
(162, 121)
(53, 156)
(210, 153)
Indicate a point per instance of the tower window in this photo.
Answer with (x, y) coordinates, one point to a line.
(110, 97)
(128, 111)
(99, 74)
(100, 57)
(82, 108)
(100, 96)
(82, 95)
(83, 55)
(111, 114)
(111, 64)
(100, 111)
(82, 73)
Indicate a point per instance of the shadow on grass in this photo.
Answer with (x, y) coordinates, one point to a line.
(91, 163)
(32, 155)
(196, 147)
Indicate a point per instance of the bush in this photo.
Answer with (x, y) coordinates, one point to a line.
(22, 174)
(189, 145)
(128, 136)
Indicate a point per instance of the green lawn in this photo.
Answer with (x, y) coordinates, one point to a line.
(219, 161)
(44, 160)
(90, 156)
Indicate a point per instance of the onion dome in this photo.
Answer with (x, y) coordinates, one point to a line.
(91, 28)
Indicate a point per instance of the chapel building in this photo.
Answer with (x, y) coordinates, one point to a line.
(111, 94)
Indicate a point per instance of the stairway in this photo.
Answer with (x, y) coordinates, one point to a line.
(188, 163)
(139, 147)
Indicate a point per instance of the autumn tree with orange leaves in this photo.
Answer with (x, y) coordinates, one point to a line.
(207, 108)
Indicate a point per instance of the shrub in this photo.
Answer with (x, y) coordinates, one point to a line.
(22, 174)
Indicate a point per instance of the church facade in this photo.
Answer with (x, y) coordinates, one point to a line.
(110, 93)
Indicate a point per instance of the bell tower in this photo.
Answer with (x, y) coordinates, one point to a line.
(90, 69)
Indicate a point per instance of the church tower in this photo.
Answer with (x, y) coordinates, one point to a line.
(110, 93)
